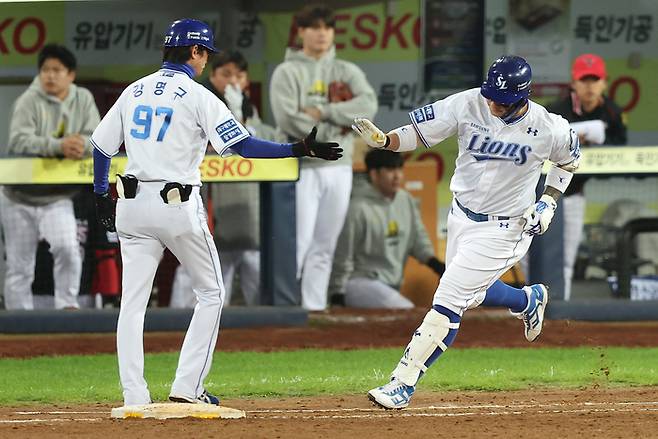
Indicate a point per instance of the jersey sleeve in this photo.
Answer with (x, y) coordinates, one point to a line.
(566, 146)
(435, 122)
(108, 135)
(219, 124)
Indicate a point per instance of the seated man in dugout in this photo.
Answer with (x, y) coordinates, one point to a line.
(383, 227)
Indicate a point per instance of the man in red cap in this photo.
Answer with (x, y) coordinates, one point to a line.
(598, 121)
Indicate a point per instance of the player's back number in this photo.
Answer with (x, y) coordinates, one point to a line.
(143, 118)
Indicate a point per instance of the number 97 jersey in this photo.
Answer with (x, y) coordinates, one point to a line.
(166, 120)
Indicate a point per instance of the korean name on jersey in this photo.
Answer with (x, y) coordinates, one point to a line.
(166, 120)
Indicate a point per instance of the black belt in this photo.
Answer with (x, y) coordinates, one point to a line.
(479, 217)
(171, 193)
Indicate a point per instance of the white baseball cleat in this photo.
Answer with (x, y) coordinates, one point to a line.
(533, 315)
(394, 395)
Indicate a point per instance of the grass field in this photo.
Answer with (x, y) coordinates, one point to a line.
(90, 379)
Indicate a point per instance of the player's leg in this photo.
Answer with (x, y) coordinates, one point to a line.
(58, 226)
(372, 293)
(336, 184)
(229, 260)
(307, 205)
(250, 277)
(440, 325)
(140, 256)
(482, 253)
(191, 242)
(182, 295)
(573, 211)
(20, 231)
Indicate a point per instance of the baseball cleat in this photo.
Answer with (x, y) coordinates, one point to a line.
(394, 395)
(533, 315)
(204, 398)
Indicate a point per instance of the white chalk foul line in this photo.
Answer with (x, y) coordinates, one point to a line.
(456, 407)
(46, 420)
(395, 414)
(450, 410)
(62, 412)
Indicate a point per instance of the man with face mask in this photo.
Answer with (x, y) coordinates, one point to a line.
(598, 121)
(53, 118)
(383, 227)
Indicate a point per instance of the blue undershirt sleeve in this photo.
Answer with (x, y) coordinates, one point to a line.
(253, 147)
(101, 172)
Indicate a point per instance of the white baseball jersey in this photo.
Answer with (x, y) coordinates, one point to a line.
(499, 163)
(166, 120)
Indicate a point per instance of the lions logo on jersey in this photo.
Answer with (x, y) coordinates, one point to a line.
(492, 149)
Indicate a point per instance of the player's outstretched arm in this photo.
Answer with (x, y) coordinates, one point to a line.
(253, 147)
(399, 140)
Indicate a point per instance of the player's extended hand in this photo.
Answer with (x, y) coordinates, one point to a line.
(310, 147)
(105, 207)
(538, 217)
(373, 136)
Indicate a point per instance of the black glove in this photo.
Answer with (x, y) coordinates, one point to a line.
(436, 265)
(105, 211)
(312, 148)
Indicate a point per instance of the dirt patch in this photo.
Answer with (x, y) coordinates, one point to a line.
(346, 329)
(541, 413)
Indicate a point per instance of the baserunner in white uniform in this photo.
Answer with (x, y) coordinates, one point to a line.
(504, 139)
(166, 120)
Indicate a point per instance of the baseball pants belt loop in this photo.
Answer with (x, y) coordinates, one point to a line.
(176, 193)
(479, 217)
(127, 186)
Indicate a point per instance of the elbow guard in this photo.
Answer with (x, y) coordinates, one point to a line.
(408, 138)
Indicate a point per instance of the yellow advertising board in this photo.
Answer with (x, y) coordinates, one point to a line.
(213, 169)
(618, 160)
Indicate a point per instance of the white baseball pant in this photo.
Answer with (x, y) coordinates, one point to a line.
(477, 254)
(146, 225)
(246, 262)
(24, 226)
(372, 293)
(323, 196)
(573, 211)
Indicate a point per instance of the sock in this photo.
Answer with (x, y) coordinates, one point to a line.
(501, 294)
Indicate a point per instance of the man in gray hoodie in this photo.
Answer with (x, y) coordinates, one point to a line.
(313, 88)
(383, 227)
(52, 118)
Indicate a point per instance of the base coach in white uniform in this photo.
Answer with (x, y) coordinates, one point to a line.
(166, 120)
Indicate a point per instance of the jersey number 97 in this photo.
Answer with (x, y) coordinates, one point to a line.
(143, 117)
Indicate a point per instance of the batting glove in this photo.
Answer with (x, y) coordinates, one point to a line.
(538, 217)
(310, 147)
(105, 211)
(373, 136)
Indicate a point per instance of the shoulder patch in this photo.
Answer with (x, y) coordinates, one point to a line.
(228, 130)
(424, 114)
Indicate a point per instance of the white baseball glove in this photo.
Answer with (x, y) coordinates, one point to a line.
(373, 136)
(538, 216)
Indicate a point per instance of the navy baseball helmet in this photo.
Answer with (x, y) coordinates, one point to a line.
(508, 80)
(188, 32)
